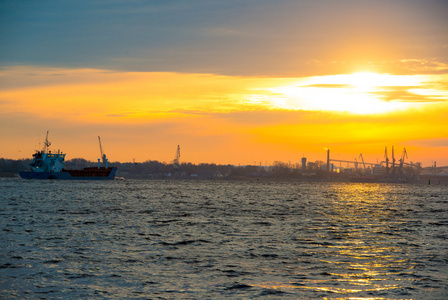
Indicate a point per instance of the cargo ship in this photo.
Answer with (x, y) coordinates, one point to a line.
(47, 165)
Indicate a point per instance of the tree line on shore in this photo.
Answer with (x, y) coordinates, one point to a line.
(156, 169)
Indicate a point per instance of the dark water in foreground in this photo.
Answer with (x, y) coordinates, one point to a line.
(214, 240)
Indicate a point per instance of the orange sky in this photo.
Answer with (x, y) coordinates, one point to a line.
(231, 82)
(223, 119)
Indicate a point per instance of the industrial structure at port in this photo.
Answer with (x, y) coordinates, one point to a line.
(392, 169)
(388, 170)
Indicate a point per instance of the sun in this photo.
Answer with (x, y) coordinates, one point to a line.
(357, 93)
(367, 79)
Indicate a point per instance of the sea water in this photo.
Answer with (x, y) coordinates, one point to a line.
(222, 239)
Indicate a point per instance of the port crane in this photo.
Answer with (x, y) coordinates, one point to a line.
(394, 167)
(387, 160)
(403, 156)
(393, 162)
(362, 159)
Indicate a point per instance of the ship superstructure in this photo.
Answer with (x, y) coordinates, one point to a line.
(45, 161)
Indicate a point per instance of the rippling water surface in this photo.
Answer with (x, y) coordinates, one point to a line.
(214, 240)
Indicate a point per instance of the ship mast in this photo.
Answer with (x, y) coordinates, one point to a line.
(46, 144)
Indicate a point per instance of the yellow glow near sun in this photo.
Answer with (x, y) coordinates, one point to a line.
(372, 80)
(358, 93)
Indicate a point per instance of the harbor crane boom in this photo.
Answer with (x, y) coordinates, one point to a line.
(103, 156)
(362, 159)
(403, 156)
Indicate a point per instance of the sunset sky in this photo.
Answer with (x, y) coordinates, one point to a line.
(231, 82)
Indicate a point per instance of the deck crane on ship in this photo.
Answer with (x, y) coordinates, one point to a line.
(46, 144)
(103, 155)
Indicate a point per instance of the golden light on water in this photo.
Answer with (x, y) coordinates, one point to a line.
(335, 290)
(353, 249)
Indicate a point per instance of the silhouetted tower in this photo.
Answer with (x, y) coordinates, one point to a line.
(303, 164)
(177, 157)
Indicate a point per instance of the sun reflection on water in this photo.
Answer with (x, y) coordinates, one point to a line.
(356, 246)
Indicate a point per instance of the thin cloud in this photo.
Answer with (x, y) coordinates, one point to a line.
(403, 94)
(328, 86)
(440, 142)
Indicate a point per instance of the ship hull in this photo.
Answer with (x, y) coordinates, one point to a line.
(84, 174)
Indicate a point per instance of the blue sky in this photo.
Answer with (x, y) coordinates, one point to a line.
(292, 38)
